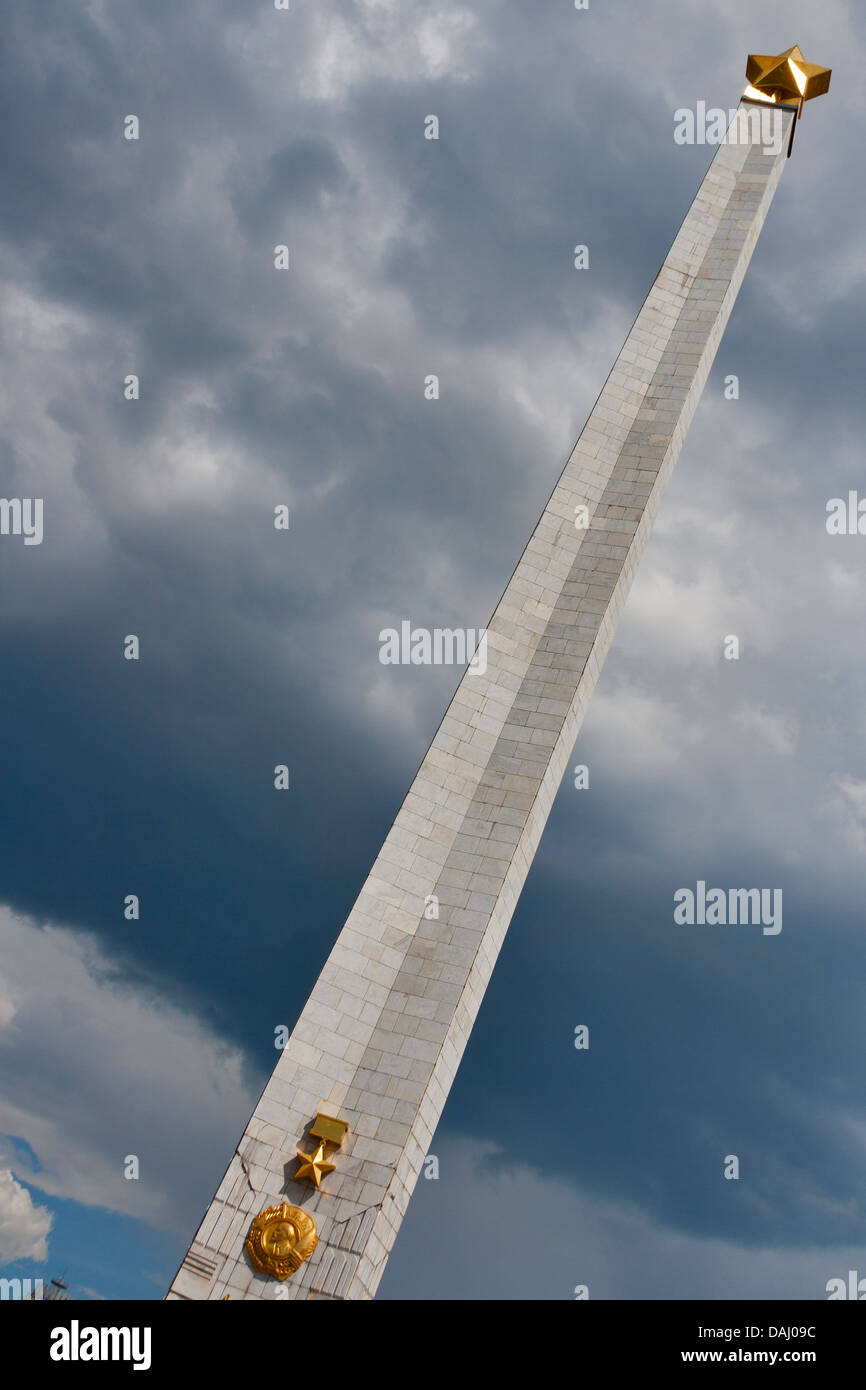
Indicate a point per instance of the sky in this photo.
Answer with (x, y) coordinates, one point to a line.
(559, 1167)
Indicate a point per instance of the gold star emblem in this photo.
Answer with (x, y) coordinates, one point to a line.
(313, 1166)
(785, 76)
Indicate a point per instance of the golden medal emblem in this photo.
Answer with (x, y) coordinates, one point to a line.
(280, 1239)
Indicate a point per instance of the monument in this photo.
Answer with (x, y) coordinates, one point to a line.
(313, 1197)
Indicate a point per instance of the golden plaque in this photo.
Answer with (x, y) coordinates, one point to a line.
(331, 1130)
(280, 1239)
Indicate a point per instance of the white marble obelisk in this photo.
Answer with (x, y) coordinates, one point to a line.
(381, 1036)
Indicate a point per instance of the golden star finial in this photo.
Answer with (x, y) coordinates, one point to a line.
(313, 1166)
(785, 76)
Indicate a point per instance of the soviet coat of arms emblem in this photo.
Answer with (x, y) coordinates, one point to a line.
(280, 1239)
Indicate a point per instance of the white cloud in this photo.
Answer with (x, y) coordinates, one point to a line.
(777, 731)
(644, 734)
(96, 1069)
(684, 619)
(377, 43)
(24, 1227)
(845, 803)
(476, 1231)
(845, 583)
